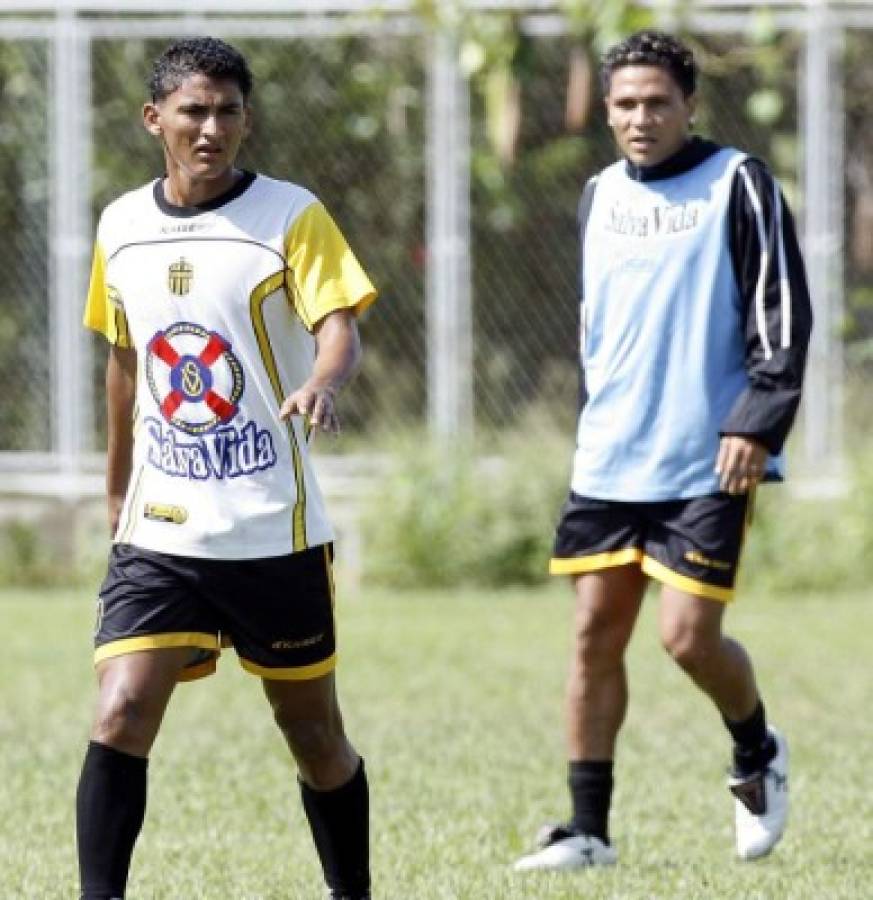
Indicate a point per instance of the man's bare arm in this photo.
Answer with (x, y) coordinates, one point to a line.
(120, 401)
(337, 358)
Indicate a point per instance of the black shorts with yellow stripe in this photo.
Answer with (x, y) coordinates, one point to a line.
(693, 544)
(277, 612)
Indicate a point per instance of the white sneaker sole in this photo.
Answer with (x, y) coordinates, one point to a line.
(578, 852)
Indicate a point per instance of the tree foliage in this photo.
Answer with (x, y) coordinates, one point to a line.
(344, 116)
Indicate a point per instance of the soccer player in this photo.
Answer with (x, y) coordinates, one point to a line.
(695, 325)
(229, 300)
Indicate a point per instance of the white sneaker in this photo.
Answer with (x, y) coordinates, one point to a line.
(560, 848)
(762, 804)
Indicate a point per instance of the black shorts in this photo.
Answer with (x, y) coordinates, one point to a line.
(693, 545)
(276, 612)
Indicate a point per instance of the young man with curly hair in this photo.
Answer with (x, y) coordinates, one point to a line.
(695, 325)
(229, 300)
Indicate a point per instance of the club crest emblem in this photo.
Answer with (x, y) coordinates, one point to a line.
(194, 376)
(180, 276)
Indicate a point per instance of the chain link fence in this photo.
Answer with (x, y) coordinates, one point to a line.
(346, 117)
(25, 346)
(857, 327)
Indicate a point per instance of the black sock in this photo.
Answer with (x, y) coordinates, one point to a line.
(590, 783)
(339, 820)
(110, 807)
(753, 745)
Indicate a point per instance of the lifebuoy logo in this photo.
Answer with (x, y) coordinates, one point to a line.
(197, 383)
(194, 376)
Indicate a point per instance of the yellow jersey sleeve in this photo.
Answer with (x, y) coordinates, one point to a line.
(326, 276)
(104, 309)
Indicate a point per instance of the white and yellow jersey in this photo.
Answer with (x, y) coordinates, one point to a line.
(219, 303)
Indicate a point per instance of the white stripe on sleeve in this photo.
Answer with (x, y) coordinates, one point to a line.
(784, 284)
(760, 316)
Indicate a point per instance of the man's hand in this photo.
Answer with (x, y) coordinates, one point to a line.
(338, 351)
(316, 402)
(740, 463)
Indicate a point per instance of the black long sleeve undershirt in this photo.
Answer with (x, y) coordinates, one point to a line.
(766, 409)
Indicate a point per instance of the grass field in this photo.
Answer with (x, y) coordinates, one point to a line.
(455, 702)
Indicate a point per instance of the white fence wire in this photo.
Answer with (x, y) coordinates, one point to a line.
(376, 112)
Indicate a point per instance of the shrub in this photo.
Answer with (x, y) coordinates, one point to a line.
(25, 557)
(800, 543)
(35, 555)
(447, 516)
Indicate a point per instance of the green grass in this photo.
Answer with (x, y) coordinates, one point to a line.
(455, 700)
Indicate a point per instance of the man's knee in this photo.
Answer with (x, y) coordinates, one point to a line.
(312, 740)
(133, 694)
(125, 720)
(689, 646)
(600, 637)
(607, 604)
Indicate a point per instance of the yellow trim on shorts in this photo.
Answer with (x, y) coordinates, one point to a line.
(197, 639)
(660, 572)
(296, 673)
(578, 565)
(201, 670)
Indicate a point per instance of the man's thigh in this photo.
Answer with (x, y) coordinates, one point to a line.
(134, 689)
(278, 612)
(312, 699)
(695, 545)
(150, 601)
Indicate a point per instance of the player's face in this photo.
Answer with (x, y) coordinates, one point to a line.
(201, 125)
(648, 113)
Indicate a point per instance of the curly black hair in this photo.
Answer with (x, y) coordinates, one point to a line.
(651, 48)
(198, 56)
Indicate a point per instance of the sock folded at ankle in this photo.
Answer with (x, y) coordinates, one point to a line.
(590, 783)
(754, 746)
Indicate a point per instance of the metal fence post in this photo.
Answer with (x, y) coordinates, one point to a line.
(448, 287)
(823, 178)
(70, 226)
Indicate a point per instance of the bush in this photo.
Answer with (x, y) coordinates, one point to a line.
(447, 516)
(26, 558)
(800, 544)
(39, 553)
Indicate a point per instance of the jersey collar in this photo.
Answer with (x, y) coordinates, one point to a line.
(185, 212)
(695, 151)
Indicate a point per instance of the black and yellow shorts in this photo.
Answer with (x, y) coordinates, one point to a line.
(277, 612)
(693, 544)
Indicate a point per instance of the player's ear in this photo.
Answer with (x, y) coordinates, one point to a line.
(151, 119)
(247, 120)
(691, 105)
